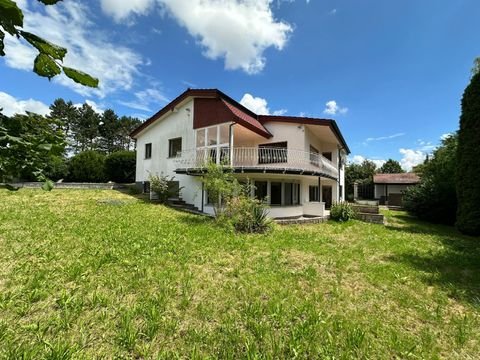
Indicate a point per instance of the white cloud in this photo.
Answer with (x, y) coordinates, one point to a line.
(121, 10)
(89, 49)
(259, 105)
(411, 158)
(145, 98)
(12, 105)
(384, 137)
(98, 108)
(358, 159)
(332, 108)
(333, 12)
(445, 136)
(238, 31)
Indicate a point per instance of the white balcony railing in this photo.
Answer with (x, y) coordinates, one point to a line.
(256, 157)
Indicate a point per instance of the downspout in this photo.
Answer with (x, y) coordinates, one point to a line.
(230, 143)
(203, 196)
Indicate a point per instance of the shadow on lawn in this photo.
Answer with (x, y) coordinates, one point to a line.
(455, 266)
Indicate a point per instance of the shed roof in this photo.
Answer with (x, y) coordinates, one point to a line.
(402, 178)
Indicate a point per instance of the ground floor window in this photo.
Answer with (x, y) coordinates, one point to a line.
(313, 193)
(261, 189)
(279, 193)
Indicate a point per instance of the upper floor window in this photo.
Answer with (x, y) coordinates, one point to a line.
(314, 156)
(213, 143)
(272, 153)
(174, 147)
(327, 155)
(148, 151)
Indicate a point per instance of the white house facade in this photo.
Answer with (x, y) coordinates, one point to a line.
(295, 163)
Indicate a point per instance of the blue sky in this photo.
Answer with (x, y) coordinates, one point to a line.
(390, 72)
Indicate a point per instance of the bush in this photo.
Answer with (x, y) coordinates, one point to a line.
(431, 202)
(120, 166)
(161, 185)
(246, 214)
(342, 211)
(56, 169)
(435, 198)
(87, 166)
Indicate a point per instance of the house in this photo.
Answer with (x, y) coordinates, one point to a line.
(389, 188)
(296, 163)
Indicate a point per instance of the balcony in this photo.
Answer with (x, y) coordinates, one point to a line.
(257, 159)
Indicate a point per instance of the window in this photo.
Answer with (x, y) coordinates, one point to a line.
(224, 134)
(275, 193)
(314, 156)
(291, 194)
(272, 153)
(261, 191)
(148, 151)
(201, 138)
(213, 144)
(174, 147)
(340, 190)
(327, 155)
(212, 136)
(313, 193)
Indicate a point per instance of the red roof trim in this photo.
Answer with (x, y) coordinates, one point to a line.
(248, 121)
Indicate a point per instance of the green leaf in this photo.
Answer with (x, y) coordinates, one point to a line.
(46, 147)
(10, 16)
(48, 185)
(42, 45)
(2, 46)
(45, 66)
(49, 2)
(80, 77)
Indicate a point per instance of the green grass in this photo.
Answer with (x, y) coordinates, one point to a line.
(101, 274)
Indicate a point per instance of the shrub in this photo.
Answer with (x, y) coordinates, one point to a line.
(56, 169)
(431, 202)
(87, 166)
(342, 211)
(246, 214)
(161, 185)
(120, 166)
(435, 198)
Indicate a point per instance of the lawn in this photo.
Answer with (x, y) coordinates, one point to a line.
(102, 274)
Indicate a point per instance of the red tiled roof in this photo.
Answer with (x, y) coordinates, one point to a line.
(248, 121)
(403, 178)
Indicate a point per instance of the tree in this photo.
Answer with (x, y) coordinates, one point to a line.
(435, 199)
(391, 167)
(109, 130)
(126, 125)
(468, 161)
(476, 66)
(48, 62)
(67, 115)
(362, 173)
(27, 144)
(86, 128)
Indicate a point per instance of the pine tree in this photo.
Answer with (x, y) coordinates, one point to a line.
(86, 129)
(468, 161)
(109, 127)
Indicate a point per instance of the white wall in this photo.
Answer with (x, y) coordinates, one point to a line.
(173, 125)
(392, 189)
